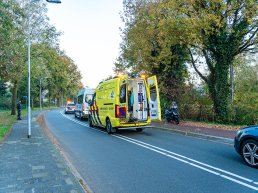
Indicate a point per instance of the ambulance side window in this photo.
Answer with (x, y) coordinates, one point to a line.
(122, 96)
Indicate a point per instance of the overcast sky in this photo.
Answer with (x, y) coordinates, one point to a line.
(91, 35)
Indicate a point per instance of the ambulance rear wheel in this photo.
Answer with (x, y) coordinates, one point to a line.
(139, 129)
(109, 127)
(90, 121)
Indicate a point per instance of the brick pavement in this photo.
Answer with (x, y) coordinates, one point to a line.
(33, 165)
(215, 132)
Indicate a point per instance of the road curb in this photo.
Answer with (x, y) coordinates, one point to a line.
(199, 135)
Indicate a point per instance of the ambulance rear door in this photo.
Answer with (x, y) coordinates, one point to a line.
(154, 105)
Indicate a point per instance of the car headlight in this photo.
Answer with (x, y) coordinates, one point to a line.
(239, 133)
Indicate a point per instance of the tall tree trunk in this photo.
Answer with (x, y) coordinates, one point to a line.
(58, 101)
(14, 98)
(49, 99)
(222, 90)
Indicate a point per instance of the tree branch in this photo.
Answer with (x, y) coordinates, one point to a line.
(208, 61)
(235, 10)
(248, 31)
(247, 43)
(195, 68)
(251, 50)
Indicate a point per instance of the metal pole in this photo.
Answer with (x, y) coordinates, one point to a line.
(29, 109)
(29, 31)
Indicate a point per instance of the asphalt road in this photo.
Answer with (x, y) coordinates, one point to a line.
(152, 161)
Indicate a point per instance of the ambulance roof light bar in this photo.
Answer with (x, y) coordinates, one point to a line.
(120, 75)
(134, 75)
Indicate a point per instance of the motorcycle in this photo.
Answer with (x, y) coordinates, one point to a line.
(171, 114)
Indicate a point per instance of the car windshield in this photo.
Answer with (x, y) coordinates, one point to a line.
(71, 104)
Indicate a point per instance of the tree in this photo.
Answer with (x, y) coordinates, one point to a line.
(13, 42)
(65, 78)
(12, 56)
(213, 31)
(143, 51)
(3, 88)
(222, 30)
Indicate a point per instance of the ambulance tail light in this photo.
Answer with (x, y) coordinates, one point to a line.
(120, 112)
(82, 107)
(117, 113)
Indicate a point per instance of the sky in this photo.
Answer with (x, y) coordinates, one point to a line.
(91, 35)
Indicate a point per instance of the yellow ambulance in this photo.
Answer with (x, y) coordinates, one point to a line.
(126, 101)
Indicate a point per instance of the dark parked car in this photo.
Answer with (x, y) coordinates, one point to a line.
(246, 144)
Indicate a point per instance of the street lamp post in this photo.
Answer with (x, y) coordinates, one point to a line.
(29, 31)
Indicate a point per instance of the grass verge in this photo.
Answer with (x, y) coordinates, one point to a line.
(6, 122)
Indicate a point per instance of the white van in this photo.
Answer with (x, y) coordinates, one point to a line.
(84, 99)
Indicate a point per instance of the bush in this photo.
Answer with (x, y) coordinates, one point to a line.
(163, 105)
(196, 112)
(245, 115)
(5, 102)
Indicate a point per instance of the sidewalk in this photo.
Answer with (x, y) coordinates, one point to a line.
(199, 131)
(33, 165)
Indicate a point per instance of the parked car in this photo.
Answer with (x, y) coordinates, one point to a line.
(69, 108)
(84, 99)
(246, 144)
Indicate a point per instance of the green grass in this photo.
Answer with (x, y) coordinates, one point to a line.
(6, 122)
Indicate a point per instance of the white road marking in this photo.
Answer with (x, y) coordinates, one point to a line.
(74, 120)
(80, 123)
(239, 182)
(181, 158)
(195, 161)
(197, 166)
